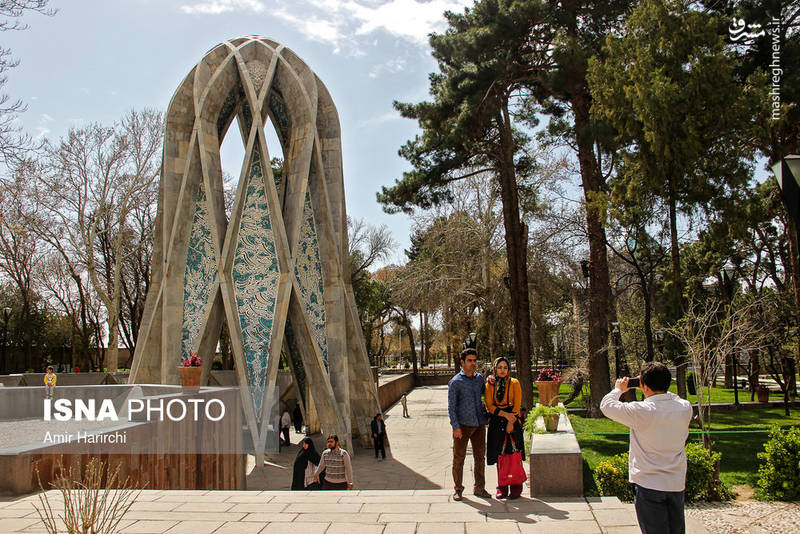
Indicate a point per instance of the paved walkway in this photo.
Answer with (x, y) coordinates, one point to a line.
(409, 493)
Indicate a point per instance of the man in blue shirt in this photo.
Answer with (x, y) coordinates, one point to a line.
(468, 419)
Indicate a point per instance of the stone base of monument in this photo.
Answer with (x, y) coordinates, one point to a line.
(556, 465)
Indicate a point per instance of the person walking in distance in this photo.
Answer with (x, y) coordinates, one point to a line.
(404, 402)
(468, 419)
(335, 461)
(297, 418)
(657, 459)
(286, 421)
(379, 435)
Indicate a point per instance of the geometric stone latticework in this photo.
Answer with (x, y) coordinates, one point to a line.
(278, 261)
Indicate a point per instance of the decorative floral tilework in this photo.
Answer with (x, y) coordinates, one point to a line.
(308, 270)
(255, 280)
(199, 275)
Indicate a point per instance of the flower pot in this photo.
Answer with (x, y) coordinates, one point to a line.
(551, 422)
(763, 394)
(190, 376)
(548, 392)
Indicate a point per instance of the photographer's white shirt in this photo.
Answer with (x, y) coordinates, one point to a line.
(659, 429)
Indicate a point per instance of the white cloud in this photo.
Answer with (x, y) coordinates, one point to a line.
(325, 31)
(392, 66)
(43, 125)
(215, 7)
(380, 119)
(411, 20)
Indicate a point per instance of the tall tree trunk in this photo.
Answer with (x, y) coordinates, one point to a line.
(517, 256)
(791, 385)
(599, 287)
(676, 290)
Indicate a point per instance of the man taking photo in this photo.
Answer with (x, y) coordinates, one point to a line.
(657, 459)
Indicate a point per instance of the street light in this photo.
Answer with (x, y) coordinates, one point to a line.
(727, 274)
(6, 316)
(471, 341)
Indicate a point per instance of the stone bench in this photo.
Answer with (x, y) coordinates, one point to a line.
(556, 465)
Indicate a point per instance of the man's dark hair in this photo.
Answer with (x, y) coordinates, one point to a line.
(334, 437)
(656, 376)
(49, 367)
(467, 352)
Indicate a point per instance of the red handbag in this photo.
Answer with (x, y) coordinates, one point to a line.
(510, 470)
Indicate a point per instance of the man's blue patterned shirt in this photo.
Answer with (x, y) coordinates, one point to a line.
(464, 400)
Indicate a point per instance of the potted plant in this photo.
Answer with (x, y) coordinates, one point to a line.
(190, 370)
(550, 414)
(548, 384)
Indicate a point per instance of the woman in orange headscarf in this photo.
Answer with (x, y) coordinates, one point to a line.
(503, 401)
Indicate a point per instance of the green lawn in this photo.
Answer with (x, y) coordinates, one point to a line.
(717, 395)
(739, 465)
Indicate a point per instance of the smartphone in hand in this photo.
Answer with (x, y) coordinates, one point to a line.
(633, 382)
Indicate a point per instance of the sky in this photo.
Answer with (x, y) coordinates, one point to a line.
(97, 59)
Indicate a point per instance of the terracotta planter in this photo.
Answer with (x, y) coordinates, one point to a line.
(190, 376)
(763, 394)
(551, 422)
(548, 392)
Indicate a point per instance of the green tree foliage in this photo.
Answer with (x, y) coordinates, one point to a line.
(667, 86)
(485, 58)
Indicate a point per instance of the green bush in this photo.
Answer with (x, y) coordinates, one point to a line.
(691, 385)
(779, 474)
(700, 471)
(611, 475)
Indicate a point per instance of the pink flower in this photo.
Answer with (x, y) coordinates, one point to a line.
(548, 374)
(192, 361)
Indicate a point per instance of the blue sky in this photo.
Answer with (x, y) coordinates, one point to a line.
(96, 59)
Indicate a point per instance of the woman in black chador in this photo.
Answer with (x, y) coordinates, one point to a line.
(305, 463)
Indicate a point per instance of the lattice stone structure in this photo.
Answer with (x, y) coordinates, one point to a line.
(277, 271)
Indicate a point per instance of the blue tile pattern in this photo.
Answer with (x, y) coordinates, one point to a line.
(308, 270)
(199, 275)
(255, 280)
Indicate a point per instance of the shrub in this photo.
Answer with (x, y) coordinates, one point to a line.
(611, 477)
(779, 474)
(691, 385)
(700, 471)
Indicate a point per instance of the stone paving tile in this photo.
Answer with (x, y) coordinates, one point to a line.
(239, 527)
(343, 518)
(295, 528)
(396, 508)
(435, 518)
(320, 508)
(366, 499)
(492, 528)
(354, 528)
(148, 527)
(440, 528)
(195, 527)
(157, 506)
(18, 512)
(267, 517)
(199, 499)
(400, 528)
(621, 530)
(205, 507)
(247, 499)
(604, 503)
(573, 527)
(196, 515)
(19, 524)
(318, 497)
(618, 517)
(575, 515)
(259, 507)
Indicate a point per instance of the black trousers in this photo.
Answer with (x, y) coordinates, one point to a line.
(379, 446)
(285, 432)
(659, 512)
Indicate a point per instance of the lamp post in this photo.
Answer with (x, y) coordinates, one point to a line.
(727, 273)
(6, 317)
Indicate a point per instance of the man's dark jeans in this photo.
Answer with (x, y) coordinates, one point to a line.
(659, 512)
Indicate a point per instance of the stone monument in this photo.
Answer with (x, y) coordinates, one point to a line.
(276, 269)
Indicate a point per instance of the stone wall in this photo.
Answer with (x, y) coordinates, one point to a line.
(393, 388)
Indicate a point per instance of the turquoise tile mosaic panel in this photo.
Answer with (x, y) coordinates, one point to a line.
(199, 276)
(255, 280)
(308, 270)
